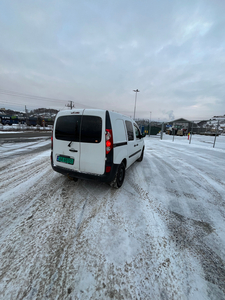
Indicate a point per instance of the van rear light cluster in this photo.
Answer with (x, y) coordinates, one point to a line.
(108, 140)
(52, 141)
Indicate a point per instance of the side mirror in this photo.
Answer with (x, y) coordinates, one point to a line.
(143, 134)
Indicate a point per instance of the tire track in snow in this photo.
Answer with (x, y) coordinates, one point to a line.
(169, 266)
(83, 217)
(189, 233)
(39, 234)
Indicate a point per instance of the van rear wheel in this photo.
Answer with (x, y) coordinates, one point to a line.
(119, 178)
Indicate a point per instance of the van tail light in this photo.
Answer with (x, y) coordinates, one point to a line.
(52, 141)
(108, 140)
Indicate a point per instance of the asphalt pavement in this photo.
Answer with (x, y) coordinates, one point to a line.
(21, 135)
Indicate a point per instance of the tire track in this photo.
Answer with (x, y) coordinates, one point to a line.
(188, 234)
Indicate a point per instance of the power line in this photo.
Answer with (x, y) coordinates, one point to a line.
(27, 96)
(16, 94)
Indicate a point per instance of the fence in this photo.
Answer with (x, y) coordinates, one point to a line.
(212, 135)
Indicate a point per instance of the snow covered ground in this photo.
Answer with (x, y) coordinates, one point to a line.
(14, 149)
(20, 127)
(161, 236)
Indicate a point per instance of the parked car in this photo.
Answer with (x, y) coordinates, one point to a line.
(95, 144)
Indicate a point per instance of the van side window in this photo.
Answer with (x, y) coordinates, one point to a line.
(119, 134)
(68, 128)
(91, 129)
(130, 132)
(137, 132)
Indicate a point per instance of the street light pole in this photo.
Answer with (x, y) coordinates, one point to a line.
(136, 91)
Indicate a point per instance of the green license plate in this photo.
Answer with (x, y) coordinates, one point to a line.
(66, 160)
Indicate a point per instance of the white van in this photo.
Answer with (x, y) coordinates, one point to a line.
(95, 144)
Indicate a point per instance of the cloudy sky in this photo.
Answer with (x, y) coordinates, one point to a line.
(96, 53)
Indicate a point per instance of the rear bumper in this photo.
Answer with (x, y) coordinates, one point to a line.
(106, 177)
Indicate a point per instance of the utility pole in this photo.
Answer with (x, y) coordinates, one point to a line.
(70, 104)
(136, 91)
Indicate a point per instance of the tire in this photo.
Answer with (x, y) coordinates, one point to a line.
(119, 178)
(142, 156)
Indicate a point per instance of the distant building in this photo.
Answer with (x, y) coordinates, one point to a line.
(182, 124)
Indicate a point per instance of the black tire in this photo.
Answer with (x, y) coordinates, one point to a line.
(119, 178)
(142, 156)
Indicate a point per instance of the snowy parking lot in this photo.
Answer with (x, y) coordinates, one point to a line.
(160, 236)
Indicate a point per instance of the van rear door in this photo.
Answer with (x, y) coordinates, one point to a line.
(66, 146)
(92, 142)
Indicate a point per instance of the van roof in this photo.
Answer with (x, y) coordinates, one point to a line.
(79, 110)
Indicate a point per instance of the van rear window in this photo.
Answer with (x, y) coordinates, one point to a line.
(91, 129)
(69, 128)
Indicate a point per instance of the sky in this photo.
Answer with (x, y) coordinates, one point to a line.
(96, 53)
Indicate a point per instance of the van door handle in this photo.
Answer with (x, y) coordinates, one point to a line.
(73, 150)
(135, 145)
